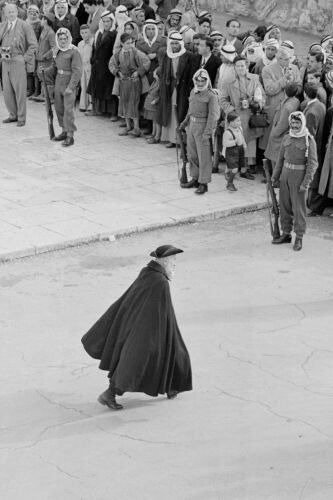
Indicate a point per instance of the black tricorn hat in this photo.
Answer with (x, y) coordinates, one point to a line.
(165, 251)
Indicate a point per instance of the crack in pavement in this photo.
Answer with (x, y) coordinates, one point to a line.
(59, 469)
(127, 436)
(268, 408)
(277, 377)
(61, 405)
(305, 485)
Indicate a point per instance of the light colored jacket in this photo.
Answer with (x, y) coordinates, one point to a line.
(25, 42)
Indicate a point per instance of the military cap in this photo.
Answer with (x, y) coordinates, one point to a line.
(165, 251)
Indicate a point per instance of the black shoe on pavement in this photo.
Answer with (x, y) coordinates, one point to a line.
(231, 187)
(246, 175)
(202, 189)
(172, 394)
(60, 137)
(285, 238)
(193, 183)
(9, 120)
(20, 123)
(215, 170)
(298, 244)
(108, 398)
(69, 141)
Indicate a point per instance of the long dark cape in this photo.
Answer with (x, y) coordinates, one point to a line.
(138, 340)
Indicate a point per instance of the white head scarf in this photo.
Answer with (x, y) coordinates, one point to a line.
(304, 132)
(175, 36)
(121, 16)
(62, 2)
(150, 22)
(253, 51)
(229, 52)
(104, 14)
(64, 31)
(289, 46)
(324, 42)
(201, 73)
(271, 42)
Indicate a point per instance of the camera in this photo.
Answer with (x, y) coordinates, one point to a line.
(245, 104)
(6, 53)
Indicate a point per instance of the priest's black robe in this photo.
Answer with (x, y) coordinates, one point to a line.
(138, 340)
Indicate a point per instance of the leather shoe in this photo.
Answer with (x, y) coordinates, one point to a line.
(172, 394)
(202, 189)
(170, 145)
(215, 170)
(114, 119)
(246, 175)
(69, 141)
(20, 123)
(108, 398)
(298, 244)
(193, 183)
(9, 120)
(60, 137)
(284, 238)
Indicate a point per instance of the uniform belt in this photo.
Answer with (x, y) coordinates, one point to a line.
(198, 120)
(63, 72)
(292, 166)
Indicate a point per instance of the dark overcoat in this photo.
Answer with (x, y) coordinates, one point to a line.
(181, 81)
(101, 80)
(138, 340)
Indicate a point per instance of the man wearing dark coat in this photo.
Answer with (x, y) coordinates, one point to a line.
(101, 81)
(137, 340)
(175, 73)
(205, 59)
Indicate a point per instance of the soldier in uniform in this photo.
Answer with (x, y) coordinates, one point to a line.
(201, 119)
(295, 168)
(67, 68)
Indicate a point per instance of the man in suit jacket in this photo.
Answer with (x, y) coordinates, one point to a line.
(76, 9)
(280, 126)
(233, 27)
(95, 13)
(18, 48)
(314, 113)
(205, 59)
(276, 77)
(149, 12)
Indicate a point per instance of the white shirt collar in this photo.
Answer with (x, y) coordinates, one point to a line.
(12, 23)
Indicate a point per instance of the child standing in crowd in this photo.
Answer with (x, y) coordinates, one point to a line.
(130, 66)
(233, 149)
(85, 49)
(150, 112)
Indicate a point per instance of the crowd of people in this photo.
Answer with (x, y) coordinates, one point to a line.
(156, 72)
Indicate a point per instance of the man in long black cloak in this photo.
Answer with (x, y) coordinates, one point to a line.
(138, 340)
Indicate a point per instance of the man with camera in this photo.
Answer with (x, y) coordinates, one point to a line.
(18, 48)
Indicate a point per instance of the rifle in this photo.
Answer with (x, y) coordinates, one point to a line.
(182, 174)
(49, 111)
(273, 206)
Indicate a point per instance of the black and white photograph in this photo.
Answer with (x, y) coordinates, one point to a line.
(166, 250)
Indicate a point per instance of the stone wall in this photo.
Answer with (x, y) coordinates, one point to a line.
(315, 16)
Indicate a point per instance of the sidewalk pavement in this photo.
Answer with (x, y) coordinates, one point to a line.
(103, 187)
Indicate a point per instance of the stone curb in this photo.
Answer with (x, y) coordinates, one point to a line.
(122, 233)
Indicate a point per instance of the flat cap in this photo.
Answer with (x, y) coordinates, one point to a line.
(165, 251)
